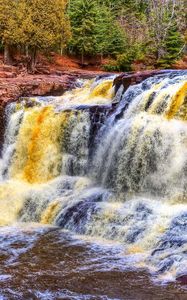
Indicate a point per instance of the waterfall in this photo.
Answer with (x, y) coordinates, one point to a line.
(117, 172)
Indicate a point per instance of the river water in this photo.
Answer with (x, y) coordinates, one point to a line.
(93, 193)
(48, 263)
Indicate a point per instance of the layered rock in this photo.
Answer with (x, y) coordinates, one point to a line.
(131, 78)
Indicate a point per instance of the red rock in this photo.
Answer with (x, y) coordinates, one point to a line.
(4, 74)
(131, 78)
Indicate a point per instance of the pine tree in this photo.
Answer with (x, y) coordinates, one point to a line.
(173, 47)
(83, 16)
(110, 39)
(95, 29)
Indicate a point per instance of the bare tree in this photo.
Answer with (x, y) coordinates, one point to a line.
(161, 15)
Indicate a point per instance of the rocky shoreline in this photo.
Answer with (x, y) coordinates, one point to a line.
(14, 84)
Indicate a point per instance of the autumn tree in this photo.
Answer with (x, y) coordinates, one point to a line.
(34, 24)
(46, 25)
(10, 25)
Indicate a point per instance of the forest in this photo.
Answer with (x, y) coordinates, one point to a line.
(151, 32)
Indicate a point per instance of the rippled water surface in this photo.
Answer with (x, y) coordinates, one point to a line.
(47, 263)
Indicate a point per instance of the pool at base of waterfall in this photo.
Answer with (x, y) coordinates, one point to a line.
(45, 262)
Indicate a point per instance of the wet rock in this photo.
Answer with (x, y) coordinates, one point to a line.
(2, 126)
(131, 78)
(175, 236)
(133, 236)
(166, 264)
(182, 279)
(76, 216)
(4, 74)
(98, 115)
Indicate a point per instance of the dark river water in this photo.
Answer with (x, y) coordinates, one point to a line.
(48, 263)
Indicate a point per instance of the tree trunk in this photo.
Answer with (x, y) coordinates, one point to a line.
(101, 58)
(26, 50)
(82, 58)
(33, 60)
(7, 55)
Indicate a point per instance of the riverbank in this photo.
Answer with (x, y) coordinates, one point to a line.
(15, 84)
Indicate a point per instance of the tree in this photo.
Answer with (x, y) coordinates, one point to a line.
(161, 15)
(8, 31)
(34, 24)
(83, 16)
(110, 38)
(94, 29)
(47, 25)
(173, 46)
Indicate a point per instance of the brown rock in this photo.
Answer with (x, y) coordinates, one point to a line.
(182, 279)
(131, 78)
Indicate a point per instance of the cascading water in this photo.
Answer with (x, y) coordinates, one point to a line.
(119, 174)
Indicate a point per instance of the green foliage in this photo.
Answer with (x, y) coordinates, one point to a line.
(173, 46)
(120, 6)
(83, 16)
(47, 24)
(123, 30)
(94, 29)
(110, 38)
(34, 23)
(124, 61)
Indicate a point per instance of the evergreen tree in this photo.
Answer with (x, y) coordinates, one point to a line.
(173, 47)
(121, 6)
(94, 29)
(83, 16)
(110, 38)
(34, 24)
(126, 30)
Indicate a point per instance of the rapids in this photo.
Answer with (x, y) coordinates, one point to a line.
(106, 166)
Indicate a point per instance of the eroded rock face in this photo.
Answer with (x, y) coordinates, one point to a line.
(131, 78)
(11, 89)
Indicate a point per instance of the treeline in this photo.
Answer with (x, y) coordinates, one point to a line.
(31, 26)
(151, 31)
